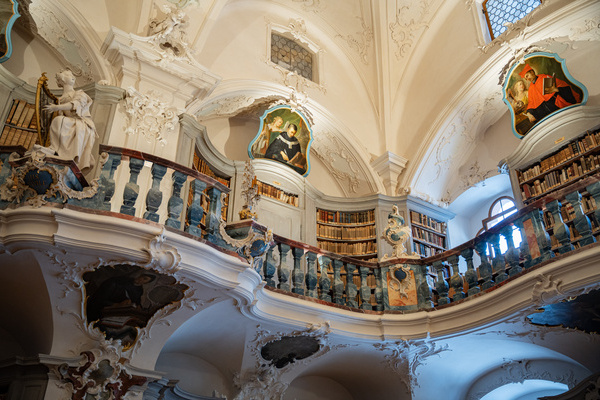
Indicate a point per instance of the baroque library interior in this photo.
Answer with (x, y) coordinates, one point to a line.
(293, 199)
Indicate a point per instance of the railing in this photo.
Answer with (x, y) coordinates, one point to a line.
(299, 269)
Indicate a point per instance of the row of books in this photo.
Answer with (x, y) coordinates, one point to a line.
(357, 248)
(202, 166)
(588, 142)
(347, 233)
(428, 236)
(273, 192)
(559, 177)
(425, 220)
(20, 126)
(424, 250)
(341, 217)
(567, 212)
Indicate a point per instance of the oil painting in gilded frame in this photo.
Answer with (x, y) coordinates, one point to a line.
(539, 87)
(284, 136)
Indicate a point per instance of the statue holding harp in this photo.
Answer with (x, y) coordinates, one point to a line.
(70, 133)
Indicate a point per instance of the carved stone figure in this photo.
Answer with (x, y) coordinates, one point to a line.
(72, 133)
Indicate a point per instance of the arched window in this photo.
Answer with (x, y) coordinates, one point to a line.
(498, 12)
(501, 209)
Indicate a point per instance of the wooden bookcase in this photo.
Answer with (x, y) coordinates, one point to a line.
(264, 189)
(202, 166)
(577, 159)
(429, 234)
(20, 126)
(351, 233)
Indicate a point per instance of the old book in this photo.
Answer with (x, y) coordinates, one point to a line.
(549, 84)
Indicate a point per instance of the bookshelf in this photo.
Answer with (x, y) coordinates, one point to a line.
(202, 166)
(575, 160)
(20, 125)
(264, 189)
(567, 212)
(351, 233)
(429, 234)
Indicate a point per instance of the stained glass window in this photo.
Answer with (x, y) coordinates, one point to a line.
(290, 55)
(499, 12)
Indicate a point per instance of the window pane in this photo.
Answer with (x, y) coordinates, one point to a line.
(499, 12)
(290, 55)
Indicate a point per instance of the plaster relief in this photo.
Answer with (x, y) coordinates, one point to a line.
(409, 26)
(149, 116)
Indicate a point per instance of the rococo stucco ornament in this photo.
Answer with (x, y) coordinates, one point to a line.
(408, 25)
(249, 193)
(36, 181)
(169, 37)
(397, 234)
(149, 116)
(98, 374)
(404, 357)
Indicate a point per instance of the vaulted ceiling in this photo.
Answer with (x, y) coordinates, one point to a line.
(407, 96)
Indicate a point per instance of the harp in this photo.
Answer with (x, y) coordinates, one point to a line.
(43, 96)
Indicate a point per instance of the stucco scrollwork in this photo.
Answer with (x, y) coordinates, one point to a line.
(311, 5)
(404, 357)
(590, 30)
(475, 176)
(100, 373)
(546, 290)
(408, 24)
(163, 257)
(62, 38)
(168, 35)
(340, 161)
(37, 181)
(149, 116)
(361, 41)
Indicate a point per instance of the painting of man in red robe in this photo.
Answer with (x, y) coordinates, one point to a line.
(538, 88)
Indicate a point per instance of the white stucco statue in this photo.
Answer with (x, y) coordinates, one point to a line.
(72, 133)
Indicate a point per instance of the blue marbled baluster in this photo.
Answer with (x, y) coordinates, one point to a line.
(269, 268)
(424, 293)
(581, 222)
(485, 269)
(311, 275)
(378, 290)
(498, 262)
(365, 289)
(213, 217)
(441, 285)
(456, 280)
(284, 269)
(324, 281)
(594, 191)
(338, 284)
(154, 196)
(524, 251)
(175, 205)
(561, 230)
(512, 254)
(298, 274)
(351, 289)
(132, 189)
(471, 274)
(195, 212)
